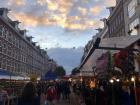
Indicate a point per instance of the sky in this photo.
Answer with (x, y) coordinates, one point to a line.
(69, 57)
(59, 24)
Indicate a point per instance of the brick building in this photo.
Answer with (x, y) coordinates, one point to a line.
(18, 53)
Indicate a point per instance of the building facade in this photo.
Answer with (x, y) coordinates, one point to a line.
(52, 65)
(121, 29)
(116, 21)
(132, 17)
(17, 51)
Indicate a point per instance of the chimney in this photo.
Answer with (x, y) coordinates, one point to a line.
(105, 21)
(117, 1)
(99, 29)
(34, 43)
(15, 24)
(23, 32)
(29, 38)
(4, 12)
(110, 9)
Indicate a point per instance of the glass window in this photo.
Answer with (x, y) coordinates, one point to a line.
(131, 8)
(1, 30)
(133, 27)
(0, 43)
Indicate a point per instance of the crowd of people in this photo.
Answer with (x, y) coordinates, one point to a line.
(41, 93)
(44, 93)
(50, 93)
(105, 93)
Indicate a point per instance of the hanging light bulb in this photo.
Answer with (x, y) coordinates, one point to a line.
(133, 79)
(118, 80)
(111, 81)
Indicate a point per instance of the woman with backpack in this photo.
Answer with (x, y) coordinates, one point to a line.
(51, 95)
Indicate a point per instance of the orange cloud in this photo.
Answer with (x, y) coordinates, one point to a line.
(62, 6)
(72, 23)
(42, 2)
(52, 5)
(17, 2)
(109, 3)
(83, 11)
(96, 10)
(58, 14)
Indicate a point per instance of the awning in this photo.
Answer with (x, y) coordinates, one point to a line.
(121, 42)
(102, 63)
(5, 74)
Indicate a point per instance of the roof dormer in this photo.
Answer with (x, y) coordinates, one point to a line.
(105, 21)
(15, 24)
(4, 12)
(23, 32)
(111, 9)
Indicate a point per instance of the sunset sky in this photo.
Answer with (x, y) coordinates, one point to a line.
(59, 23)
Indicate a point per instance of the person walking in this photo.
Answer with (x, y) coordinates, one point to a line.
(51, 95)
(29, 95)
(3, 96)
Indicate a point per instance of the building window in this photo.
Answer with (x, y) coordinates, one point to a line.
(0, 43)
(131, 8)
(133, 27)
(1, 30)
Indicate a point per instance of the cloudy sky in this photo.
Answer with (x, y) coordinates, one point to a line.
(59, 23)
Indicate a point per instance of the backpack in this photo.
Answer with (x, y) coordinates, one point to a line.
(51, 93)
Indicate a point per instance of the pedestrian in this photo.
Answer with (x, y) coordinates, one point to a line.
(51, 95)
(3, 96)
(101, 96)
(126, 98)
(29, 95)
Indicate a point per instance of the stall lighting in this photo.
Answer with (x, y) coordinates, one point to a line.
(81, 79)
(118, 80)
(92, 84)
(111, 81)
(70, 79)
(132, 79)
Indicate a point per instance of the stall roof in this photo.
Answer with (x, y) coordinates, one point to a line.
(6, 73)
(120, 42)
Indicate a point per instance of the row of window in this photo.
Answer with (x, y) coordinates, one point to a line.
(5, 48)
(133, 27)
(6, 34)
(21, 57)
(16, 66)
(132, 8)
(116, 23)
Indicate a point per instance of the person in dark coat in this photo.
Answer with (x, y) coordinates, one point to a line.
(29, 95)
(101, 96)
(126, 98)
